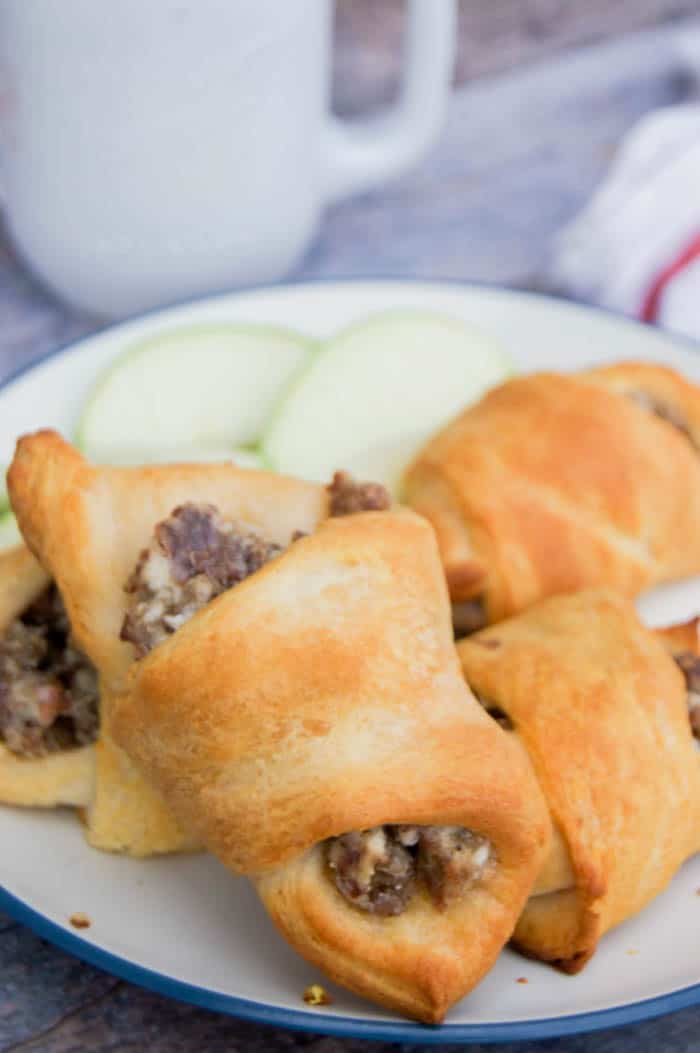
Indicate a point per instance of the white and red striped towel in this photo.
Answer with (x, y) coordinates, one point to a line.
(636, 247)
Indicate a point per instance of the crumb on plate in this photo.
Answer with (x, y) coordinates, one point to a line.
(633, 950)
(80, 920)
(522, 980)
(317, 995)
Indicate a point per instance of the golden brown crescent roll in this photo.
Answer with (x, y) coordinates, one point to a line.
(313, 727)
(682, 638)
(601, 709)
(41, 762)
(557, 482)
(87, 525)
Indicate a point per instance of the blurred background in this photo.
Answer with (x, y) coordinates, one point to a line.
(493, 36)
(545, 93)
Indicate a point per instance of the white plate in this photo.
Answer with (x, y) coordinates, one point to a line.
(185, 926)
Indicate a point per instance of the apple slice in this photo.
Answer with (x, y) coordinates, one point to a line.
(376, 392)
(213, 385)
(9, 531)
(129, 456)
(249, 459)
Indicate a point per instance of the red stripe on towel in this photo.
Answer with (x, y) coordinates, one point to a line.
(651, 304)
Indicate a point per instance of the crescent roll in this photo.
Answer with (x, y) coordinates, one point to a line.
(87, 525)
(47, 693)
(557, 482)
(312, 727)
(602, 710)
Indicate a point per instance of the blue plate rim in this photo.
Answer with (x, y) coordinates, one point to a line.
(341, 1026)
(300, 1020)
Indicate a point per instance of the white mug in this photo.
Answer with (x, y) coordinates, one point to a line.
(155, 150)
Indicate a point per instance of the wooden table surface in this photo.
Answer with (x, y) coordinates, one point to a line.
(521, 152)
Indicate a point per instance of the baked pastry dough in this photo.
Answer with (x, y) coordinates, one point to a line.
(681, 639)
(601, 709)
(87, 525)
(323, 696)
(60, 778)
(558, 482)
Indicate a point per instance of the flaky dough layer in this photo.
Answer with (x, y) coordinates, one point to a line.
(87, 525)
(323, 695)
(600, 707)
(555, 482)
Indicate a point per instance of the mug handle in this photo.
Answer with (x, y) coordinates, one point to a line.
(363, 154)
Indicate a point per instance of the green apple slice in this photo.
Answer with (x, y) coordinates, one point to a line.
(130, 456)
(249, 459)
(376, 392)
(9, 531)
(203, 386)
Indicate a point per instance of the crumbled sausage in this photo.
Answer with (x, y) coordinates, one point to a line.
(468, 617)
(48, 688)
(452, 860)
(373, 870)
(690, 667)
(348, 497)
(195, 555)
(377, 870)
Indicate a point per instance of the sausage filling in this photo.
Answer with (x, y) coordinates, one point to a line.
(690, 667)
(378, 870)
(346, 496)
(469, 617)
(48, 688)
(196, 554)
(664, 411)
